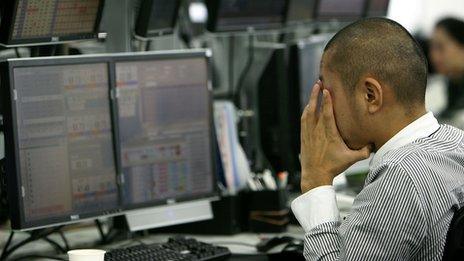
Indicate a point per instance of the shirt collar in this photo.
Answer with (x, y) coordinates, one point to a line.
(420, 128)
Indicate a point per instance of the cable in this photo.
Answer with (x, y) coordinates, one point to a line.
(65, 240)
(8, 242)
(55, 245)
(16, 50)
(148, 45)
(103, 236)
(35, 235)
(238, 89)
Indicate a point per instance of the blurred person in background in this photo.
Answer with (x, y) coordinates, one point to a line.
(447, 58)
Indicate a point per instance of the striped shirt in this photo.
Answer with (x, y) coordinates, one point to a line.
(406, 206)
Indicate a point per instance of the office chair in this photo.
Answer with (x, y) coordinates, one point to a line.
(454, 248)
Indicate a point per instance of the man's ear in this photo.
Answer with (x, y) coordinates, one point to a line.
(372, 94)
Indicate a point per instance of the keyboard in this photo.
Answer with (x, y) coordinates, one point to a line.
(176, 249)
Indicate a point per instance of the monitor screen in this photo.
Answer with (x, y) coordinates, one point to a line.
(301, 10)
(310, 54)
(232, 15)
(156, 17)
(377, 8)
(65, 154)
(36, 21)
(164, 120)
(340, 9)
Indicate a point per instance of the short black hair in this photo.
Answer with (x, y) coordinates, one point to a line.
(454, 27)
(383, 49)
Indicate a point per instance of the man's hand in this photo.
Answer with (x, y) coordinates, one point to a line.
(324, 154)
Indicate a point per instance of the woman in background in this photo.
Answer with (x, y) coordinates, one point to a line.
(447, 58)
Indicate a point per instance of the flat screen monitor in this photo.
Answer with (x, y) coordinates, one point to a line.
(238, 15)
(300, 11)
(165, 129)
(29, 22)
(307, 56)
(156, 17)
(342, 10)
(377, 8)
(279, 116)
(60, 157)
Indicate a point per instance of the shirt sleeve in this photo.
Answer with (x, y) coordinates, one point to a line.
(387, 222)
(316, 207)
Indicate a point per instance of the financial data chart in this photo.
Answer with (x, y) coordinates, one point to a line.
(240, 14)
(54, 18)
(164, 129)
(65, 140)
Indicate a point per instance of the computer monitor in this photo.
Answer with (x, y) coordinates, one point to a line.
(239, 15)
(341, 10)
(165, 129)
(377, 8)
(60, 159)
(156, 17)
(305, 60)
(31, 22)
(303, 72)
(300, 11)
(279, 116)
(271, 134)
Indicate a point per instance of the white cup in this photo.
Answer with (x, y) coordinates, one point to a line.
(87, 255)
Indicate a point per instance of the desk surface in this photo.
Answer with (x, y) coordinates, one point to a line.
(86, 236)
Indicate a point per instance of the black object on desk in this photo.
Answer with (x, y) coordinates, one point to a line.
(269, 212)
(176, 249)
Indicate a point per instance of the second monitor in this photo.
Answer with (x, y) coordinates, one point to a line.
(164, 122)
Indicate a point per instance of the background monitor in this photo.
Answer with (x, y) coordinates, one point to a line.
(307, 55)
(156, 17)
(60, 158)
(279, 115)
(303, 65)
(377, 8)
(236, 15)
(301, 11)
(342, 10)
(47, 21)
(165, 129)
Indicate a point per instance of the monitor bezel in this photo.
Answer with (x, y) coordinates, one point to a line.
(213, 12)
(338, 17)
(18, 219)
(206, 54)
(9, 9)
(143, 20)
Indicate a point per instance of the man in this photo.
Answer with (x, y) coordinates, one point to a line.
(373, 80)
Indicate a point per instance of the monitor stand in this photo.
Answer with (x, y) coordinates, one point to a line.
(167, 215)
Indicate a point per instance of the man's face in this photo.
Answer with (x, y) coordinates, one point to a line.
(348, 114)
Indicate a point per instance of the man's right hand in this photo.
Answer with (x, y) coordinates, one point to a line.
(324, 154)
